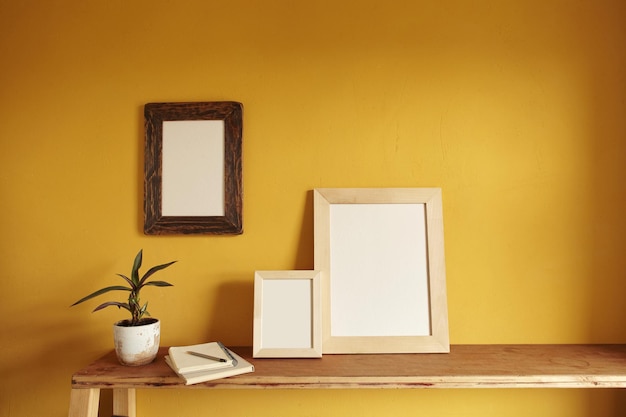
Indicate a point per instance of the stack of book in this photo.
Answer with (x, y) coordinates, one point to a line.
(206, 362)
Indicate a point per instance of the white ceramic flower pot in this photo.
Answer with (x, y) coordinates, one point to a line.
(137, 345)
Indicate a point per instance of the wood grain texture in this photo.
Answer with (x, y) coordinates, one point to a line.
(124, 402)
(232, 221)
(84, 402)
(466, 366)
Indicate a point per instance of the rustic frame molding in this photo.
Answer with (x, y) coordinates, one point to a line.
(231, 223)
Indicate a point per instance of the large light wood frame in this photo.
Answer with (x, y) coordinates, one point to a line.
(287, 314)
(193, 168)
(392, 206)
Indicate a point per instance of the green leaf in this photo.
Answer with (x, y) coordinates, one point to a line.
(153, 270)
(136, 265)
(158, 284)
(133, 303)
(112, 303)
(101, 291)
(127, 280)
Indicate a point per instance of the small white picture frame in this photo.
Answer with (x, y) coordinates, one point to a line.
(287, 314)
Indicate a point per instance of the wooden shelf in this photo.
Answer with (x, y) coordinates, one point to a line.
(466, 366)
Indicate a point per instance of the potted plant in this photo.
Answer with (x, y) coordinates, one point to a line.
(136, 339)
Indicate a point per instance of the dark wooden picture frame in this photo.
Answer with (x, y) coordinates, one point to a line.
(229, 220)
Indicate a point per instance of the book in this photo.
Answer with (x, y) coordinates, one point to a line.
(241, 366)
(201, 357)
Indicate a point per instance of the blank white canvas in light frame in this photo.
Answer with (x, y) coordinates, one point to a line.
(381, 258)
(361, 234)
(287, 314)
(287, 305)
(193, 168)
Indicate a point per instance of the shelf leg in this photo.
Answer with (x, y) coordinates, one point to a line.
(84, 402)
(124, 402)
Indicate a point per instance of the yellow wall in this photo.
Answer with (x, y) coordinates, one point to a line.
(515, 108)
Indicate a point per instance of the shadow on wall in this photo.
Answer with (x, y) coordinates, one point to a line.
(140, 143)
(606, 105)
(608, 197)
(305, 252)
(232, 316)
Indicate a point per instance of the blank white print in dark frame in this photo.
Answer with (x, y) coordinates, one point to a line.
(193, 168)
(381, 250)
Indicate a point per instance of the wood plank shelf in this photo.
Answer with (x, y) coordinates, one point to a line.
(466, 366)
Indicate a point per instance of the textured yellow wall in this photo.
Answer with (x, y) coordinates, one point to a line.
(515, 108)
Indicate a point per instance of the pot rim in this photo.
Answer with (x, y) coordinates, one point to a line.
(143, 322)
